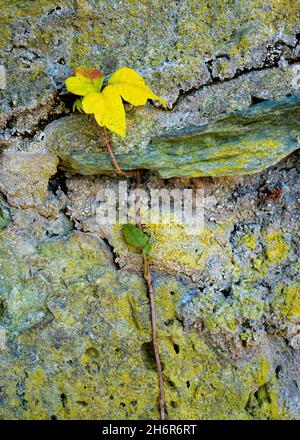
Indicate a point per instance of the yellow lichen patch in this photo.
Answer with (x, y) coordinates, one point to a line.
(97, 388)
(277, 248)
(264, 403)
(257, 262)
(168, 295)
(272, 144)
(34, 386)
(122, 307)
(110, 374)
(174, 247)
(207, 388)
(248, 241)
(63, 316)
(171, 243)
(263, 371)
(287, 301)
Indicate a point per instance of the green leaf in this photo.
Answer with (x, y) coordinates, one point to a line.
(147, 248)
(135, 237)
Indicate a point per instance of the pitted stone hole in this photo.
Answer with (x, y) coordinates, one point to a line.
(92, 365)
(171, 384)
(172, 293)
(20, 391)
(278, 371)
(82, 403)
(256, 100)
(52, 11)
(263, 390)
(63, 399)
(2, 308)
(133, 403)
(92, 352)
(226, 292)
(148, 357)
(176, 348)
(67, 98)
(62, 61)
(111, 397)
(122, 405)
(188, 384)
(57, 183)
(244, 343)
(53, 417)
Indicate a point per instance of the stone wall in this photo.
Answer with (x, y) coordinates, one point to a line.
(75, 338)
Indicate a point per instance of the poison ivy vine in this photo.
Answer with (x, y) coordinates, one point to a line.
(104, 99)
(106, 102)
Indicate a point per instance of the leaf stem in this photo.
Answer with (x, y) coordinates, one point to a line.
(146, 273)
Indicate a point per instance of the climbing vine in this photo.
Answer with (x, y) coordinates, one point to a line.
(103, 98)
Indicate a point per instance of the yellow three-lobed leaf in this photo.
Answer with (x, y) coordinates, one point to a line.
(107, 106)
(131, 86)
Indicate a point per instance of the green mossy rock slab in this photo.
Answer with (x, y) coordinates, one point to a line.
(243, 142)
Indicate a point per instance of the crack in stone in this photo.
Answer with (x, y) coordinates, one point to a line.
(216, 80)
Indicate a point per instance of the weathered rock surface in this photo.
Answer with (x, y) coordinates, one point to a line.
(78, 342)
(74, 317)
(244, 142)
(14, 165)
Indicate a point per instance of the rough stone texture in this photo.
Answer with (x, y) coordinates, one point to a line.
(31, 191)
(244, 142)
(74, 317)
(81, 342)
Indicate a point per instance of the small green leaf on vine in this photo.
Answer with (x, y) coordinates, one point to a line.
(136, 238)
(147, 248)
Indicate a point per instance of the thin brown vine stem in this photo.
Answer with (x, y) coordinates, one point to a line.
(111, 153)
(146, 273)
(148, 278)
(113, 158)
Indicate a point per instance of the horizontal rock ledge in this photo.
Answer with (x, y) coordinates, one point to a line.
(243, 142)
